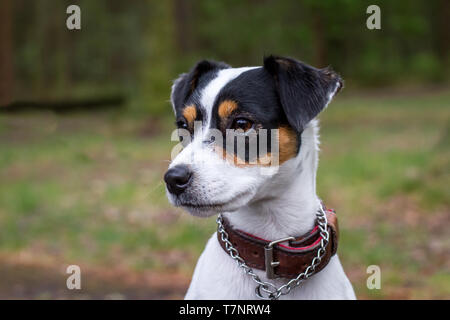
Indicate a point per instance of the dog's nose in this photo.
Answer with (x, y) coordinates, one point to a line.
(177, 179)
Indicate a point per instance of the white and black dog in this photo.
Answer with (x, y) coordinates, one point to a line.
(284, 95)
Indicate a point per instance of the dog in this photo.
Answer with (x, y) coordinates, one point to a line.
(256, 207)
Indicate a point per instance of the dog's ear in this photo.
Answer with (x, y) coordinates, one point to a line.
(304, 91)
(185, 85)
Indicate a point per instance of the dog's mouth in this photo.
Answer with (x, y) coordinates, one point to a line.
(208, 209)
(203, 206)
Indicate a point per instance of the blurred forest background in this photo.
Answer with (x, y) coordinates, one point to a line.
(85, 187)
(134, 49)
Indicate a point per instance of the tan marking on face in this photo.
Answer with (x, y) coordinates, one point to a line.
(226, 108)
(287, 141)
(190, 113)
(233, 159)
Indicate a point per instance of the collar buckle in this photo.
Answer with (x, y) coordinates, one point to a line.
(268, 257)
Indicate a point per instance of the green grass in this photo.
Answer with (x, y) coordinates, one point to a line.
(88, 188)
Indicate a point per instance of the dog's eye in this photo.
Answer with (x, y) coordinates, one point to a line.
(181, 124)
(242, 124)
(183, 132)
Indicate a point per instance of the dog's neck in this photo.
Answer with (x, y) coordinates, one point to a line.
(287, 205)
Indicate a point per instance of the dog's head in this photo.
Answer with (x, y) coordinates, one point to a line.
(235, 122)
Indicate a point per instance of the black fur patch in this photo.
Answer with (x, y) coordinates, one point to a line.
(188, 84)
(256, 96)
(303, 90)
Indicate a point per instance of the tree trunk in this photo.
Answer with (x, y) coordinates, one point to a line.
(321, 58)
(182, 11)
(6, 53)
(443, 37)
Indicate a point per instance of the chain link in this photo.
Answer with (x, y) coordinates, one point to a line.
(266, 290)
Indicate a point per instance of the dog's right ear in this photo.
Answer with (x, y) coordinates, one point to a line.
(184, 86)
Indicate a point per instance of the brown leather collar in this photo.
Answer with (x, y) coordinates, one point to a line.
(293, 258)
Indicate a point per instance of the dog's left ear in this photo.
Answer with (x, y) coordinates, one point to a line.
(304, 91)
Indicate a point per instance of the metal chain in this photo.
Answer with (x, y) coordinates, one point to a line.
(266, 290)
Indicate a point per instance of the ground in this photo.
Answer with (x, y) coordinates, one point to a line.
(87, 189)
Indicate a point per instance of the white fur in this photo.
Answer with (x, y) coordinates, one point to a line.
(268, 206)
